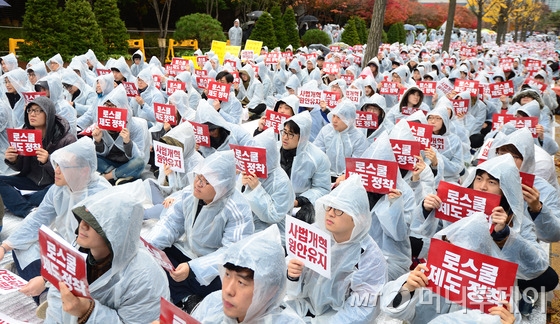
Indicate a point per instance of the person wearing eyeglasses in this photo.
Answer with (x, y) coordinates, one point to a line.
(79, 95)
(209, 216)
(35, 173)
(52, 86)
(358, 267)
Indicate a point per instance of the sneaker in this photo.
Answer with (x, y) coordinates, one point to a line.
(121, 181)
(526, 304)
(11, 267)
(41, 311)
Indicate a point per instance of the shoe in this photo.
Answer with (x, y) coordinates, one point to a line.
(41, 311)
(526, 304)
(124, 180)
(11, 267)
(189, 303)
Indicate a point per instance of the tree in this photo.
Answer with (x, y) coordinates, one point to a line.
(113, 30)
(264, 31)
(375, 31)
(350, 34)
(82, 31)
(42, 29)
(279, 30)
(449, 25)
(361, 28)
(163, 10)
(397, 11)
(315, 36)
(290, 24)
(480, 8)
(396, 33)
(199, 26)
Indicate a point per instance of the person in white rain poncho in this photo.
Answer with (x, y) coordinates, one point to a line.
(104, 84)
(193, 95)
(52, 85)
(230, 109)
(55, 64)
(143, 104)
(250, 91)
(6, 121)
(15, 84)
(138, 63)
(307, 166)
(258, 262)
(222, 133)
(358, 269)
(9, 63)
(235, 34)
(271, 199)
(544, 138)
(341, 139)
(402, 301)
(125, 282)
(75, 179)
(81, 96)
(210, 215)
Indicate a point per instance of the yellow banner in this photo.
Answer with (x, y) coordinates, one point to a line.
(254, 46)
(220, 49)
(233, 50)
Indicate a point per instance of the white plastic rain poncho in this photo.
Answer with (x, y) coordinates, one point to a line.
(390, 218)
(79, 65)
(254, 92)
(350, 142)
(532, 109)
(261, 252)
(180, 100)
(457, 127)
(106, 84)
(78, 164)
(130, 291)
(395, 113)
(91, 59)
(56, 59)
(226, 220)
(310, 172)
(18, 79)
(39, 69)
(120, 64)
(273, 198)
(150, 95)
(6, 121)
(136, 68)
(469, 233)
(62, 106)
(10, 61)
(358, 268)
(231, 110)
(137, 129)
(383, 123)
(295, 68)
(86, 97)
(193, 95)
(547, 221)
(521, 246)
(237, 134)
(450, 159)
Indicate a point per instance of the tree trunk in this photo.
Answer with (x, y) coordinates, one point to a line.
(375, 31)
(449, 26)
(479, 28)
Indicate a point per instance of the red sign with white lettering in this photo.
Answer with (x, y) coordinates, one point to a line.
(275, 120)
(111, 119)
(165, 113)
(458, 202)
(250, 159)
(501, 89)
(30, 96)
(377, 176)
(201, 134)
(405, 153)
(422, 133)
(173, 86)
(25, 141)
(466, 85)
(130, 87)
(427, 87)
(218, 91)
(331, 68)
(367, 119)
(389, 88)
(171, 314)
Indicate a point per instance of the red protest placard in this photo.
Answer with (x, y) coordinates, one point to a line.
(353, 95)
(236, 78)
(499, 89)
(358, 48)
(422, 133)
(427, 87)
(357, 59)
(160, 256)
(201, 73)
(309, 244)
(366, 119)
(103, 71)
(30, 96)
(467, 52)
(405, 153)
(171, 314)
(130, 87)
(331, 98)
(377, 175)
(438, 142)
(389, 88)
(331, 68)
(250, 159)
(466, 85)
(533, 65)
(202, 82)
(460, 106)
(165, 113)
(173, 86)
(483, 90)
(407, 111)
(348, 78)
(334, 48)
(449, 61)
(10, 282)
(201, 60)
(476, 280)
(458, 202)
(25, 141)
(89, 130)
(309, 98)
(157, 81)
(534, 83)
(289, 55)
(111, 119)
(498, 120)
(179, 64)
(272, 58)
(232, 63)
(527, 179)
(218, 91)
(506, 63)
(201, 134)
(527, 122)
(60, 261)
(170, 155)
(275, 120)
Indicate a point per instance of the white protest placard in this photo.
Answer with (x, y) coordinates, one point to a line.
(170, 155)
(5, 319)
(10, 282)
(353, 95)
(445, 86)
(309, 244)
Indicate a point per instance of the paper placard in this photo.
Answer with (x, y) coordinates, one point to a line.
(25, 141)
(466, 85)
(249, 159)
(353, 95)
(422, 133)
(309, 244)
(165, 154)
(527, 179)
(438, 142)
(160, 256)
(10, 282)
(427, 87)
(309, 98)
(171, 314)
(165, 113)
(377, 176)
(366, 119)
(389, 88)
(460, 106)
(111, 119)
(405, 153)
(201, 134)
(218, 91)
(499, 89)
(331, 98)
(331, 68)
(274, 120)
(131, 90)
(30, 96)
(458, 202)
(173, 86)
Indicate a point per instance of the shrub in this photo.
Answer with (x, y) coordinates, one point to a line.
(279, 30)
(199, 26)
(42, 29)
(264, 31)
(315, 36)
(291, 26)
(350, 34)
(113, 29)
(82, 31)
(396, 33)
